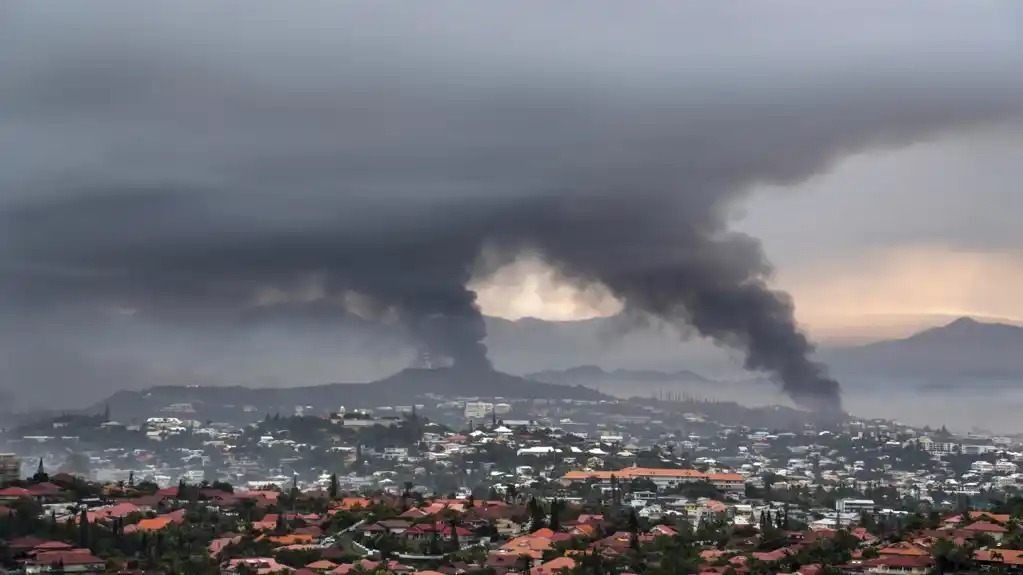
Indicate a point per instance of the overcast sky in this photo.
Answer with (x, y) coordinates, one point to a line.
(926, 230)
(885, 242)
(181, 166)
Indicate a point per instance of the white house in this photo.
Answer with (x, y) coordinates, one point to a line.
(982, 467)
(1004, 466)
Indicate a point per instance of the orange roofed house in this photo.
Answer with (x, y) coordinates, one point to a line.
(662, 478)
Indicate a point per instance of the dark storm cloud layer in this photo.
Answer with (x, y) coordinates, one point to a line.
(184, 157)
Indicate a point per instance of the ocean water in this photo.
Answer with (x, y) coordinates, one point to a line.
(979, 407)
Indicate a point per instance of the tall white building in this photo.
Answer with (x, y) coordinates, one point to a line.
(854, 505)
(477, 409)
(938, 447)
(10, 467)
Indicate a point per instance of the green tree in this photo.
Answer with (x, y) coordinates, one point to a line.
(454, 522)
(297, 558)
(358, 463)
(642, 484)
(536, 515)
(83, 530)
(434, 547)
(591, 563)
(555, 521)
(222, 486)
(633, 529)
(335, 488)
(952, 558)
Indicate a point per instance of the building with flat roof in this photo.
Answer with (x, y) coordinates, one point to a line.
(10, 467)
(663, 478)
(854, 505)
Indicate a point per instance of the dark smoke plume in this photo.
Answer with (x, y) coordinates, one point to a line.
(182, 161)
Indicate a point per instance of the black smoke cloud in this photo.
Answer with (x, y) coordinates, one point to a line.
(188, 161)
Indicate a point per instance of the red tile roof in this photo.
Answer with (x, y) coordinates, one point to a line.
(45, 488)
(776, 555)
(979, 515)
(904, 549)
(1007, 556)
(985, 527)
(51, 546)
(899, 561)
(66, 557)
(29, 542)
(15, 492)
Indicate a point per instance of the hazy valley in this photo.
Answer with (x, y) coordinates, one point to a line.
(931, 376)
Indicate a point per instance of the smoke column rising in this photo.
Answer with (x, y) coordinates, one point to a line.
(180, 158)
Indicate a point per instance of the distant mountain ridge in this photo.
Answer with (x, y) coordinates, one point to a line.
(583, 374)
(965, 330)
(964, 348)
(961, 351)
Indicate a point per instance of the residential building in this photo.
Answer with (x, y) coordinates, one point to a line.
(1004, 466)
(728, 482)
(854, 505)
(10, 467)
(662, 478)
(982, 467)
(477, 409)
(937, 447)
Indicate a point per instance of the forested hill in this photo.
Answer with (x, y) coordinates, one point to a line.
(402, 388)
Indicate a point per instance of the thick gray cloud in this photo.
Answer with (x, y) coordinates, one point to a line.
(182, 158)
(960, 193)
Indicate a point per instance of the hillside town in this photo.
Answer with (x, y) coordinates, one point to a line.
(463, 485)
(475, 287)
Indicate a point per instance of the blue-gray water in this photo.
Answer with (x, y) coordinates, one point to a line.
(993, 406)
